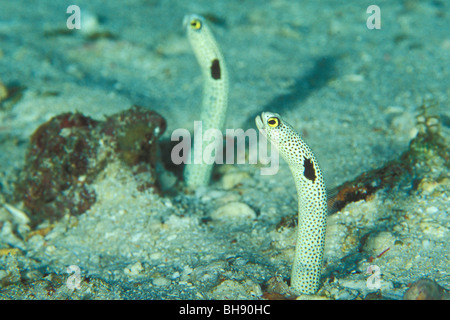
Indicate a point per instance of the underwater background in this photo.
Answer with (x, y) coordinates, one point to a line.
(86, 179)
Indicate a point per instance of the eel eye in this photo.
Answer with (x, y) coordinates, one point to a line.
(273, 122)
(196, 24)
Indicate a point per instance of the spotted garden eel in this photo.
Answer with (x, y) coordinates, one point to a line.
(215, 94)
(312, 201)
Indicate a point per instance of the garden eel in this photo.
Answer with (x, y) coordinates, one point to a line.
(215, 94)
(312, 201)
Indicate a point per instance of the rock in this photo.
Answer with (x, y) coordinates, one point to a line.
(232, 179)
(379, 242)
(70, 150)
(160, 281)
(426, 289)
(3, 92)
(427, 186)
(433, 229)
(230, 289)
(90, 23)
(277, 285)
(233, 211)
(133, 269)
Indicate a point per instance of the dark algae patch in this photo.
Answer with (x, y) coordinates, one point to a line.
(58, 170)
(68, 152)
(427, 152)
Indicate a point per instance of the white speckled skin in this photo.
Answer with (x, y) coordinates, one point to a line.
(215, 92)
(312, 201)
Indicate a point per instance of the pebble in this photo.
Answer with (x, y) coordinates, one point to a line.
(431, 210)
(232, 179)
(167, 180)
(404, 124)
(3, 274)
(155, 256)
(133, 269)
(379, 242)
(353, 78)
(427, 244)
(233, 211)
(89, 23)
(426, 289)
(19, 216)
(161, 281)
(231, 289)
(50, 250)
(427, 186)
(433, 229)
(3, 92)
(336, 234)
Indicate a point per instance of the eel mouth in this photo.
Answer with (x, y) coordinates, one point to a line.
(259, 123)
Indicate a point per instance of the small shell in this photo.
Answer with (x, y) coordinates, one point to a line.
(19, 216)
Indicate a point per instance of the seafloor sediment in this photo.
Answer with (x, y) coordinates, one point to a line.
(372, 104)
